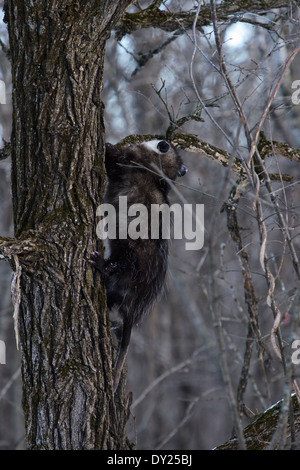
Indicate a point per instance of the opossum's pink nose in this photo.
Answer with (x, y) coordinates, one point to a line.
(183, 170)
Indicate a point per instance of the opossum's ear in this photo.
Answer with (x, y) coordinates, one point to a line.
(113, 156)
(111, 151)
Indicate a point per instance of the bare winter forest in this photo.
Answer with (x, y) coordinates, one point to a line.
(217, 350)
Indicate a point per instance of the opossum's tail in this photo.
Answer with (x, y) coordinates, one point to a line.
(121, 357)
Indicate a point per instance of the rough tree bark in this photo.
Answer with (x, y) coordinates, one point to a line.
(57, 52)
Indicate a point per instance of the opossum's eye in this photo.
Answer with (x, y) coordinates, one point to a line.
(163, 146)
(183, 170)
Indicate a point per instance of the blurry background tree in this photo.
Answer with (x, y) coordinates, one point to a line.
(214, 354)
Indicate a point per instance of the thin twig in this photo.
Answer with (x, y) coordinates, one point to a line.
(270, 101)
(168, 373)
(10, 382)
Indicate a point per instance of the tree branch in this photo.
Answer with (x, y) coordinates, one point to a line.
(142, 58)
(258, 434)
(267, 147)
(168, 21)
(5, 151)
(254, 333)
(12, 246)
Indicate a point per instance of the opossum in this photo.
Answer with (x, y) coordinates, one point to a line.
(135, 271)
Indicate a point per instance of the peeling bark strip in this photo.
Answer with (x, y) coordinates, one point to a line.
(57, 52)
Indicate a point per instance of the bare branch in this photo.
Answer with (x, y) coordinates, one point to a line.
(267, 147)
(153, 17)
(12, 246)
(143, 58)
(270, 101)
(250, 300)
(5, 151)
(178, 367)
(258, 434)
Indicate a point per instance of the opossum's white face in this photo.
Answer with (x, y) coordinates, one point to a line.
(158, 146)
(122, 162)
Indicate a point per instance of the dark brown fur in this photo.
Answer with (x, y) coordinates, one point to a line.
(135, 271)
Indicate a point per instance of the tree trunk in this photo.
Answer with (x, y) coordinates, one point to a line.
(57, 53)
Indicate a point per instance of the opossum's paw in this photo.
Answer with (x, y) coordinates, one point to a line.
(97, 260)
(105, 266)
